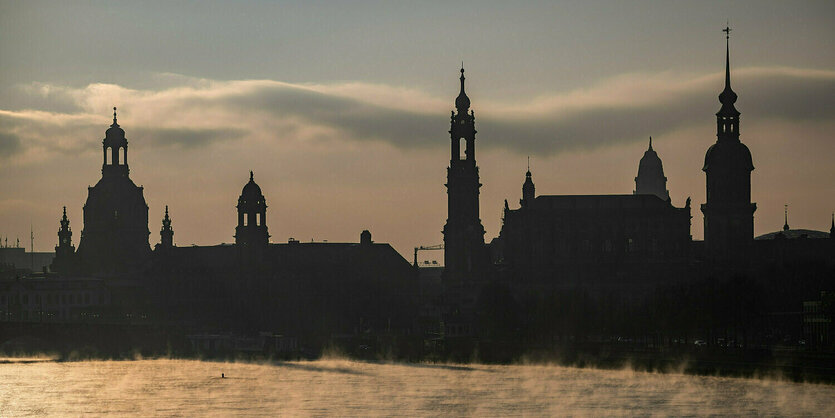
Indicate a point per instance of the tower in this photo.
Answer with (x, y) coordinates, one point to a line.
(252, 216)
(64, 247)
(115, 234)
(64, 251)
(463, 232)
(651, 179)
(528, 189)
(728, 212)
(115, 148)
(166, 234)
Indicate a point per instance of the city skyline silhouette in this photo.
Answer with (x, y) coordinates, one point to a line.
(320, 170)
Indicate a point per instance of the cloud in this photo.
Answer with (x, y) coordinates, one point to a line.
(187, 137)
(9, 145)
(198, 113)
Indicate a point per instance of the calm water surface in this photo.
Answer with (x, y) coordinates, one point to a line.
(341, 387)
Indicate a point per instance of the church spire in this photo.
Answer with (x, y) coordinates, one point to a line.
(166, 234)
(462, 102)
(528, 188)
(786, 217)
(727, 119)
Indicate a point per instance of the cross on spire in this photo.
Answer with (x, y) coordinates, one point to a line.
(727, 31)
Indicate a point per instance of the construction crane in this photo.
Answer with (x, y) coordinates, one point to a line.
(424, 248)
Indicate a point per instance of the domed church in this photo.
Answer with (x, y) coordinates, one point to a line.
(115, 234)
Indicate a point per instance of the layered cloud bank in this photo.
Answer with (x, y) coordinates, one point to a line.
(198, 113)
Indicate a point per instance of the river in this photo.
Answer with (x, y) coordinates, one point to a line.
(36, 387)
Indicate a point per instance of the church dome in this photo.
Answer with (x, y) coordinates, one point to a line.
(650, 164)
(728, 154)
(115, 131)
(251, 193)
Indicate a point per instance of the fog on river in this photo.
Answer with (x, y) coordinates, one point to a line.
(344, 387)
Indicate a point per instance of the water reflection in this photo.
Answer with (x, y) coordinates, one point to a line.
(341, 387)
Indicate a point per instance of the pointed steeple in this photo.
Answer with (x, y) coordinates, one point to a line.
(786, 217)
(728, 96)
(166, 234)
(528, 188)
(462, 102)
(64, 250)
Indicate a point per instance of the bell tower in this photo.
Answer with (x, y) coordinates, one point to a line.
(728, 212)
(64, 251)
(252, 216)
(115, 151)
(463, 232)
(166, 234)
(528, 189)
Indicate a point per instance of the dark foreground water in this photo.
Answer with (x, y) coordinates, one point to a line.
(342, 387)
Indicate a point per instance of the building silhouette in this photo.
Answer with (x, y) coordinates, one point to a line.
(728, 212)
(563, 267)
(464, 252)
(115, 235)
(651, 179)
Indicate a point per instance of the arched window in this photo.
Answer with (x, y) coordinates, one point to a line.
(258, 219)
(108, 156)
(123, 155)
(462, 149)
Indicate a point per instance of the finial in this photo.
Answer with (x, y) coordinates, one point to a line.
(529, 163)
(114, 115)
(786, 214)
(250, 175)
(65, 211)
(166, 210)
(727, 30)
(650, 143)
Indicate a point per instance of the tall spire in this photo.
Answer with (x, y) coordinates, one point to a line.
(462, 102)
(786, 217)
(728, 96)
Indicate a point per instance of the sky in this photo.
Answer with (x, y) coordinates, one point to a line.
(341, 109)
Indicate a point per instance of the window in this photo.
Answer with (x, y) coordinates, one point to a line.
(108, 155)
(258, 219)
(462, 149)
(123, 155)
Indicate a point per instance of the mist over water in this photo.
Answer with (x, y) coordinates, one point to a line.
(343, 387)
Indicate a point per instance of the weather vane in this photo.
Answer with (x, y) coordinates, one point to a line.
(727, 31)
